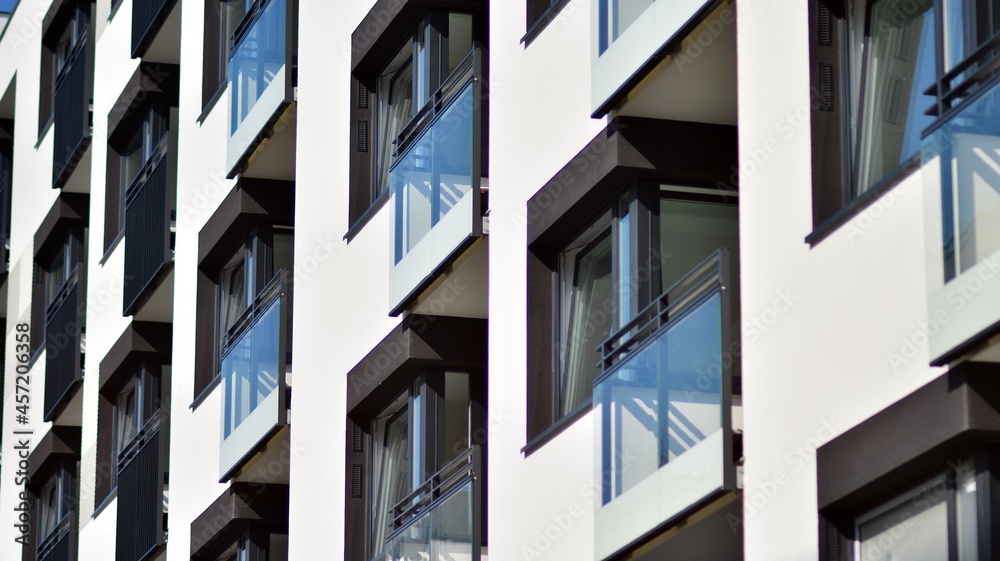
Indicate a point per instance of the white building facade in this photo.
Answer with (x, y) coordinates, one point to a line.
(469, 280)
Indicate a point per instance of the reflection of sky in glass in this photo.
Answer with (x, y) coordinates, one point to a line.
(923, 78)
(7, 5)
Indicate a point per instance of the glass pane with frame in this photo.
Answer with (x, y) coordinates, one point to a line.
(391, 466)
(898, 69)
(588, 306)
(395, 107)
(914, 527)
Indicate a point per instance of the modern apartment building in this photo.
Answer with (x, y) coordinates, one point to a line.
(465, 279)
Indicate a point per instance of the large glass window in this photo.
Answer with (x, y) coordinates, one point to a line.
(935, 521)
(900, 65)
(652, 238)
(55, 503)
(406, 83)
(423, 429)
(61, 265)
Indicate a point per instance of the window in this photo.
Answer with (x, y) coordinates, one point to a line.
(884, 72)
(651, 238)
(431, 51)
(222, 18)
(898, 68)
(137, 404)
(137, 151)
(936, 520)
(60, 267)
(256, 544)
(423, 429)
(64, 40)
(265, 251)
(55, 506)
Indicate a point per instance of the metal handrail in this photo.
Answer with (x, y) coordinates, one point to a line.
(469, 68)
(60, 298)
(73, 58)
(421, 501)
(248, 21)
(138, 182)
(139, 441)
(708, 275)
(945, 93)
(271, 291)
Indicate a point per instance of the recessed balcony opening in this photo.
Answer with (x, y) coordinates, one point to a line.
(666, 388)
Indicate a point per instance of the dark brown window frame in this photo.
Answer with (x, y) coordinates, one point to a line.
(150, 84)
(373, 43)
(418, 342)
(860, 469)
(251, 201)
(139, 342)
(627, 150)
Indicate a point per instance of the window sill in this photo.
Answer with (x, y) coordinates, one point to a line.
(115, 5)
(860, 204)
(112, 495)
(204, 393)
(556, 428)
(365, 217)
(111, 247)
(42, 132)
(543, 21)
(212, 101)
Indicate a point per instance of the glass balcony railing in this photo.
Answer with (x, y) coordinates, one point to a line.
(961, 169)
(443, 518)
(663, 407)
(435, 181)
(253, 374)
(260, 75)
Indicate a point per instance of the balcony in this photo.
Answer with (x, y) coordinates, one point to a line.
(443, 518)
(961, 171)
(261, 74)
(156, 30)
(656, 51)
(141, 479)
(663, 407)
(435, 182)
(148, 208)
(62, 347)
(72, 115)
(254, 365)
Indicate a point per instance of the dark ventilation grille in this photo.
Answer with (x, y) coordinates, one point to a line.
(357, 476)
(359, 440)
(362, 96)
(831, 542)
(895, 108)
(62, 350)
(363, 135)
(147, 234)
(825, 87)
(825, 26)
(906, 40)
(140, 502)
